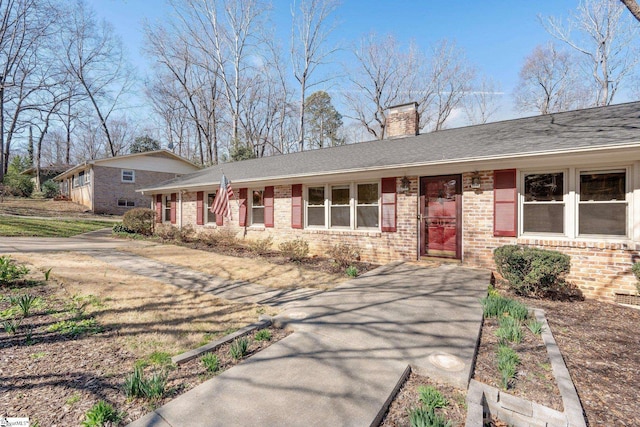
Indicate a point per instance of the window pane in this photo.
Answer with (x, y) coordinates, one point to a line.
(367, 194)
(543, 218)
(602, 187)
(544, 187)
(315, 216)
(367, 216)
(340, 216)
(316, 196)
(603, 218)
(258, 215)
(211, 217)
(340, 195)
(258, 198)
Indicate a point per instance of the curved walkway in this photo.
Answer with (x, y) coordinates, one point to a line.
(350, 348)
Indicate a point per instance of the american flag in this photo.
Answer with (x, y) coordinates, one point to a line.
(221, 203)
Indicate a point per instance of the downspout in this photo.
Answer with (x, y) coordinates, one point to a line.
(180, 205)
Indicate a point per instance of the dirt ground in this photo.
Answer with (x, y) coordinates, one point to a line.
(256, 270)
(55, 377)
(47, 208)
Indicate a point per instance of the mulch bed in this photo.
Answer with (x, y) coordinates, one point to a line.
(534, 380)
(407, 398)
(55, 379)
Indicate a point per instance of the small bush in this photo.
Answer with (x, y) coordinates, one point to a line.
(425, 417)
(295, 250)
(219, 237)
(134, 383)
(343, 254)
(210, 362)
(261, 246)
(263, 335)
(121, 229)
(509, 330)
(11, 326)
(155, 385)
(352, 271)
(100, 414)
(532, 271)
(239, 348)
(431, 398)
(508, 362)
(187, 233)
(167, 233)
(26, 303)
(9, 271)
(50, 189)
(140, 220)
(138, 385)
(636, 272)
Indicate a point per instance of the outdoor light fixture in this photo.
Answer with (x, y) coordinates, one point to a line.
(404, 184)
(475, 181)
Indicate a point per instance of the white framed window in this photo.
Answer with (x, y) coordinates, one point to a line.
(543, 202)
(87, 177)
(343, 206)
(316, 207)
(79, 180)
(209, 217)
(257, 207)
(128, 175)
(124, 203)
(602, 203)
(166, 214)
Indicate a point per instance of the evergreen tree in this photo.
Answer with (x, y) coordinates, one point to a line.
(143, 144)
(323, 121)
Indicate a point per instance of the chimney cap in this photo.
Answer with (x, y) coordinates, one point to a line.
(408, 106)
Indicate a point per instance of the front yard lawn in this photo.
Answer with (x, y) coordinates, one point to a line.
(89, 326)
(11, 226)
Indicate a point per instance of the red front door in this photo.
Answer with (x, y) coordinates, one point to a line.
(440, 213)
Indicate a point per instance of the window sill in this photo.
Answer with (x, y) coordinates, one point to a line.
(578, 242)
(343, 232)
(257, 227)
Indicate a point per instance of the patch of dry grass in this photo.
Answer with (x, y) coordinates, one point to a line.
(148, 315)
(45, 208)
(255, 270)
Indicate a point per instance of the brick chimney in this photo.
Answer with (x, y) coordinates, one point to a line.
(403, 120)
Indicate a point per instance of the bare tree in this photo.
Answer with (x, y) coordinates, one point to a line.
(633, 7)
(95, 59)
(607, 41)
(309, 33)
(549, 82)
(482, 101)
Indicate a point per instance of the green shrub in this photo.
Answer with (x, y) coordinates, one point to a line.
(636, 270)
(155, 385)
(11, 326)
(138, 385)
(431, 398)
(535, 327)
(134, 383)
(343, 254)
(425, 417)
(50, 189)
(497, 306)
(9, 271)
(510, 329)
(352, 271)
(238, 348)
(261, 246)
(532, 271)
(210, 362)
(140, 220)
(101, 414)
(295, 250)
(121, 229)
(14, 182)
(26, 303)
(263, 335)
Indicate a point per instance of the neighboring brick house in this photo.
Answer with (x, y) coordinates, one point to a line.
(108, 186)
(567, 181)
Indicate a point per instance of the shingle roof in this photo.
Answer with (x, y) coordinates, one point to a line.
(598, 127)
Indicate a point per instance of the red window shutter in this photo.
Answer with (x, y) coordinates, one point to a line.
(200, 208)
(173, 208)
(268, 206)
(242, 215)
(505, 203)
(296, 206)
(389, 205)
(158, 208)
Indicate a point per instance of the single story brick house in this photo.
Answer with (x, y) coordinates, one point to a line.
(108, 186)
(567, 181)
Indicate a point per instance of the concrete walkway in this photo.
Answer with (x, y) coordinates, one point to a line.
(350, 348)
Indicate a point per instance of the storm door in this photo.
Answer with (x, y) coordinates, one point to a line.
(441, 216)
